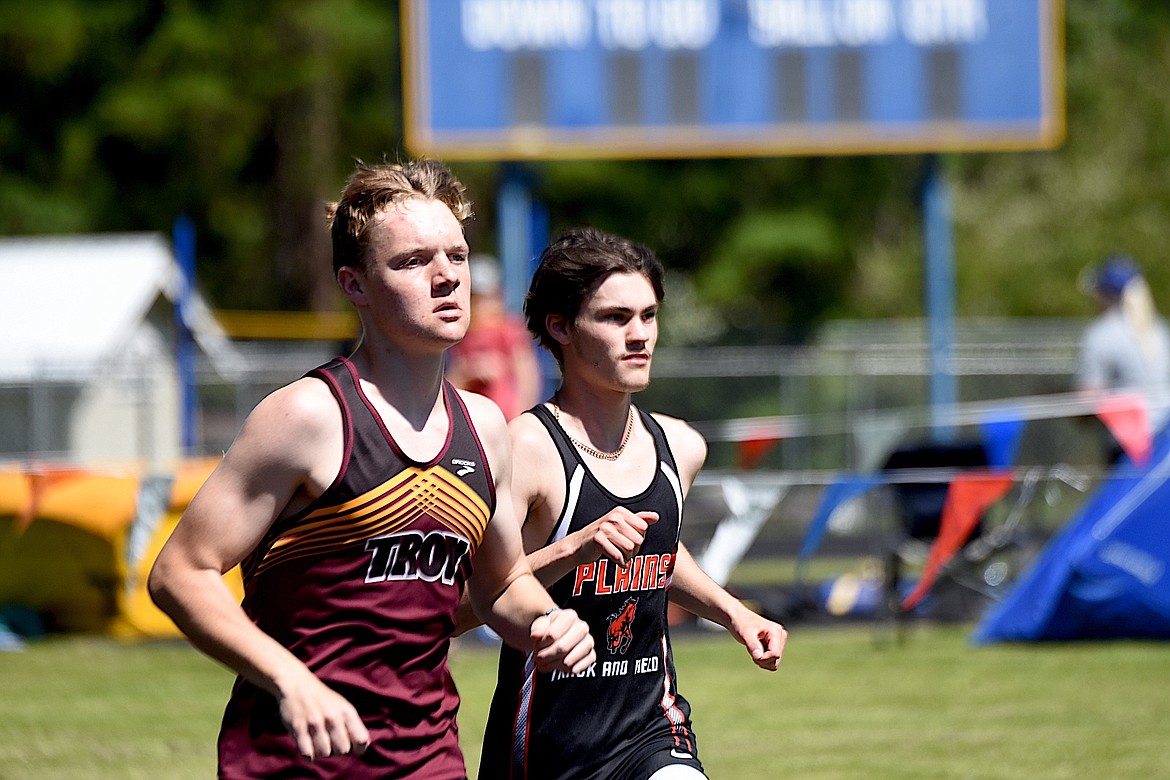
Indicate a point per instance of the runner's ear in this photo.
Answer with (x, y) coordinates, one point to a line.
(350, 282)
(558, 327)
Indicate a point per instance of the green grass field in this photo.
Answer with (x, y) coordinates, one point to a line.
(849, 703)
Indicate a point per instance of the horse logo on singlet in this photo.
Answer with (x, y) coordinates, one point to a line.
(620, 634)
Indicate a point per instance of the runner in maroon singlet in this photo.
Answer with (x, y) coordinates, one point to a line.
(361, 499)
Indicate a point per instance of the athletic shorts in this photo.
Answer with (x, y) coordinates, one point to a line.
(642, 769)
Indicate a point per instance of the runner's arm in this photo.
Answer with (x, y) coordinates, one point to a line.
(503, 590)
(695, 592)
(258, 476)
(691, 587)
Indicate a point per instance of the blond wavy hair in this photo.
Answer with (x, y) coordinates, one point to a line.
(372, 188)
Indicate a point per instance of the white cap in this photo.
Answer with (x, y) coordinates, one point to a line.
(485, 274)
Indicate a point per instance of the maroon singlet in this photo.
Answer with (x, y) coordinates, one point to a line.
(363, 586)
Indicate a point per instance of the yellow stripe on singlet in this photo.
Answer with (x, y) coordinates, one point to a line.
(412, 493)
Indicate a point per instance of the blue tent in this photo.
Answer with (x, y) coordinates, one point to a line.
(1106, 575)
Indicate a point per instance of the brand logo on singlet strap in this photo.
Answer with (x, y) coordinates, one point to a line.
(414, 556)
(464, 467)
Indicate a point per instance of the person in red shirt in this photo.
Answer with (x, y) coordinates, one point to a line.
(497, 357)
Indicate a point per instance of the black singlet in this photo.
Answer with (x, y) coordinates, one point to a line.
(602, 723)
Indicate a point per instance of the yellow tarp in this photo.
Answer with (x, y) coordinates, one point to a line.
(65, 547)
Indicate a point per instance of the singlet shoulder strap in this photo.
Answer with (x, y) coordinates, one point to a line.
(565, 448)
(660, 441)
(464, 434)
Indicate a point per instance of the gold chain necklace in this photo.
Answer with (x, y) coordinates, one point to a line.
(591, 450)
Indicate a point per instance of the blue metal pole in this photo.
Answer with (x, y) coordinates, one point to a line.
(184, 246)
(515, 230)
(940, 297)
(523, 232)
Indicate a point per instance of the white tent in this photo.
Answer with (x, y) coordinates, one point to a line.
(87, 347)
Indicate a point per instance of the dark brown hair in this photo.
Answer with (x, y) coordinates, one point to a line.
(571, 269)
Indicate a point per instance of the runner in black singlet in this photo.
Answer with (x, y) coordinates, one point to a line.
(627, 707)
(604, 485)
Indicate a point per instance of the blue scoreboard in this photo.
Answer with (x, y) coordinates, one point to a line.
(539, 79)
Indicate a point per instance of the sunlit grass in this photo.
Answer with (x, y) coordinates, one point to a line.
(855, 703)
(849, 703)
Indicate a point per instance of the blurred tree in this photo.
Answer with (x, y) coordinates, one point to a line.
(771, 244)
(243, 115)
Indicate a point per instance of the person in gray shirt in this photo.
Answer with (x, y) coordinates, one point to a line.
(1127, 346)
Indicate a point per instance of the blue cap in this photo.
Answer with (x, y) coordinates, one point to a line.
(1113, 274)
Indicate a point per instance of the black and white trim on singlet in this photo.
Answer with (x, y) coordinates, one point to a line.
(672, 713)
(676, 484)
(573, 495)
